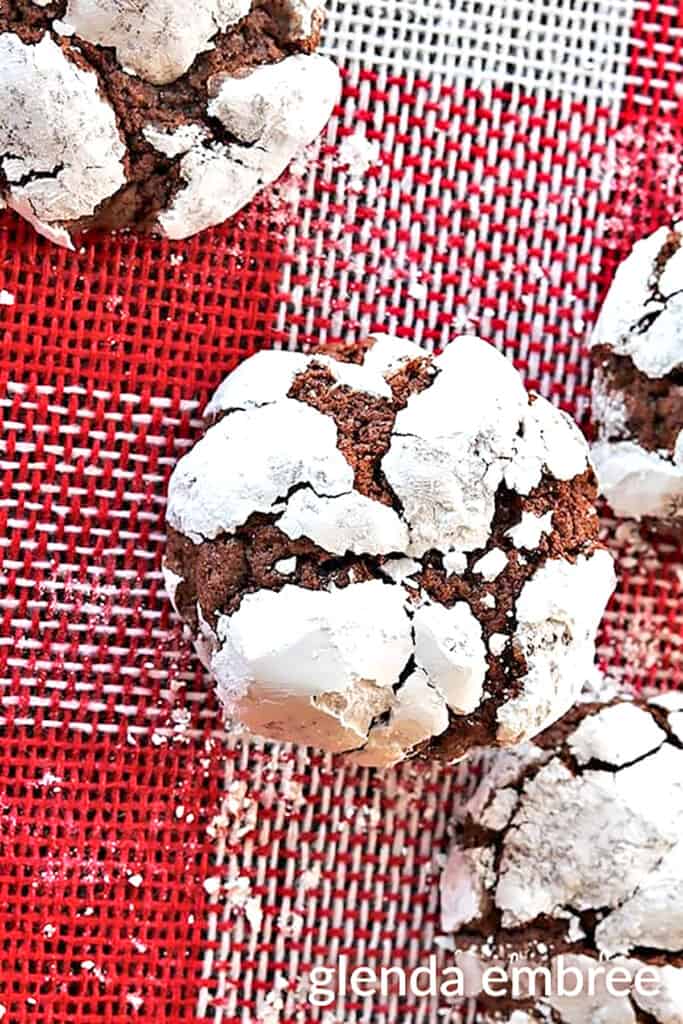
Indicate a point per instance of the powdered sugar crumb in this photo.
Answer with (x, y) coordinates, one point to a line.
(358, 154)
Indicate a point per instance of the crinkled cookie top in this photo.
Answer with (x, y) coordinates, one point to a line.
(115, 114)
(573, 846)
(379, 555)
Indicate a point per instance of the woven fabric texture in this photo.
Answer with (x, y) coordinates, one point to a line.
(488, 166)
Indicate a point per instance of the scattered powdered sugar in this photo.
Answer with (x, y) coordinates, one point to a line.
(644, 151)
(358, 154)
(212, 885)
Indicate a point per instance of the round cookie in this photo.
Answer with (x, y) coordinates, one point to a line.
(571, 850)
(150, 116)
(638, 384)
(390, 555)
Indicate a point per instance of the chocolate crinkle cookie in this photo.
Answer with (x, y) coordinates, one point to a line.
(638, 384)
(385, 553)
(159, 115)
(569, 858)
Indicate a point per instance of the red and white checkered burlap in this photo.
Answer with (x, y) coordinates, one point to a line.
(505, 154)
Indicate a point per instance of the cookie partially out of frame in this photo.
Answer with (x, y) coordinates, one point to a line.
(572, 851)
(391, 555)
(638, 384)
(160, 115)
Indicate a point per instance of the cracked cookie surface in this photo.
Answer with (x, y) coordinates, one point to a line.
(637, 351)
(383, 553)
(572, 847)
(115, 116)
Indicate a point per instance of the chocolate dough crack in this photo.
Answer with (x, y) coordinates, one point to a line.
(390, 553)
(115, 116)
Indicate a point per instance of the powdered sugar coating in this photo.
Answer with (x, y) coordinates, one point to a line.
(264, 378)
(249, 461)
(60, 147)
(641, 322)
(549, 440)
(619, 735)
(154, 39)
(491, 565)
(597, 1004)
(500, 810)
(637, 292)
(388, 353)
(268, 377)
(417, 714)
(350, 522)
(69, 173)
(666, 1007)
(597, 863)
(558, 614)
(178, 142)
(528, 532)
(449, 450)
(671, 701)
(579, 840)
(633, 924)
(676, 724)
(506, 769)
(276, 111)
(639, 483)
(270, 455)
(450, 648)
(466, 881)
(323, 670)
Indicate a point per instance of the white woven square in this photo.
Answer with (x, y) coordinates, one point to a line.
(577, 46)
